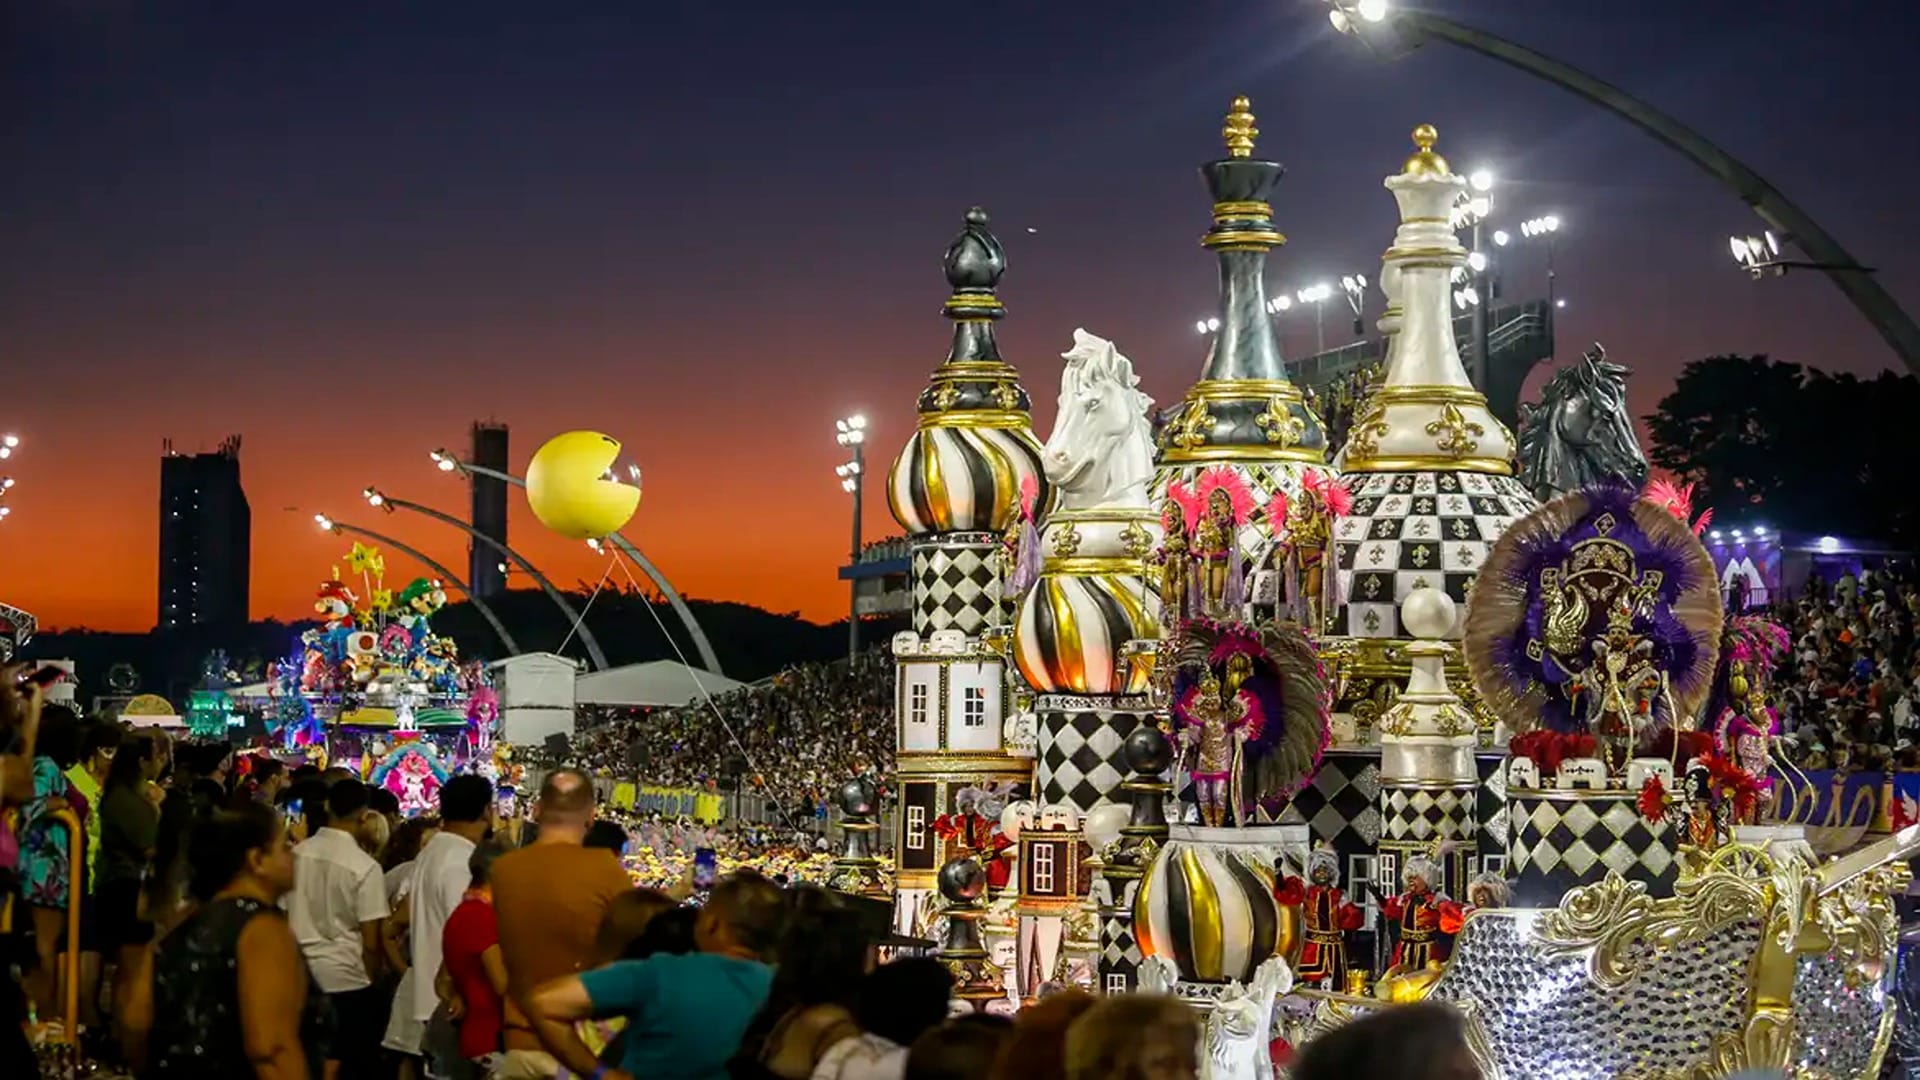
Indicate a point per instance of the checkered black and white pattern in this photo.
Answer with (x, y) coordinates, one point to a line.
(1082, 758)
(1119, 953)
(1341, 803)
(1491, 808)
(1559, 843)
(955, 586)
(1421, 815)
(1414, 529)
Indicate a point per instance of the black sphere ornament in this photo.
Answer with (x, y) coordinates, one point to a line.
(856, 797)
(1148, 750)
(963, 881)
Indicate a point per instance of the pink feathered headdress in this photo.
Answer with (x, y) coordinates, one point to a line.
(1029, 494)
(1189, 502)
(1676, 499)
(1332, 492)
(1224, 478)
(1277, 511)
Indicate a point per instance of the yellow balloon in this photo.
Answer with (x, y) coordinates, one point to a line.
(575, 488)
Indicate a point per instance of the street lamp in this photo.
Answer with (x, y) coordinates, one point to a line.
(852, 433)
(1544, 228)
(1355, 286)
(1317, 295)
(8, 443)
(1471, 211)
(1757, 254)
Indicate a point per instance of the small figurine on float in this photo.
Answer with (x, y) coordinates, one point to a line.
(1213, 735)
(1251, 714)
(1486, 890)
(1744, 723)
(1225, 504)
(1303, 535)
(1415, 913)
(1328, 918)
(974, 829)
(1176, 568)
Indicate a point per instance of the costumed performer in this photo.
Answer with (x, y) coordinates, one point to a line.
(1416, 915)
(1328, 918)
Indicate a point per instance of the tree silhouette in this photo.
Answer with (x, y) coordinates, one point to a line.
(1803, 449)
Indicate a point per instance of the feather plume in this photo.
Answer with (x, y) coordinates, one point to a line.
(1225, 477)
(1333, 492)
(1277, 511)
(1676, 499)
(1189, 502)
(1291, 699)
(1029, 494)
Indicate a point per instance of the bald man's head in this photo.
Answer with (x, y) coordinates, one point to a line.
(566, 798)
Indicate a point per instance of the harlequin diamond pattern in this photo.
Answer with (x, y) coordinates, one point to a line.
(1421, 814)
(1413, 530)
(1082, 757)
(1557, 845)
(1118, 950)
(954, 587)
(1341, 804)
(1491, 810)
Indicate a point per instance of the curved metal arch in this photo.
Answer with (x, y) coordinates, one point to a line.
(446, 575)
(587, 639)
(1853, 280)
(632, 551)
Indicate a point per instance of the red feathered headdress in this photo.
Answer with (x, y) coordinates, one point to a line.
(1332, 492)
(1224, 478)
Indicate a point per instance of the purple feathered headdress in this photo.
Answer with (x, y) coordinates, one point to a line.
(1511, 618)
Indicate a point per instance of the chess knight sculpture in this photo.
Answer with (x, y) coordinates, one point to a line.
(1581, 432)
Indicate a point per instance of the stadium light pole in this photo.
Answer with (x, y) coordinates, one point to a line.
(448, 462)
(852, 432)
(329, 524)
(1317, 295)
(8, 444)
(1544, 228)
(379, 500)
(1390, 32)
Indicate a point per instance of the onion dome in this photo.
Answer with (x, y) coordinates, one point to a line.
(1243, 408)
(1426, 414)
(963, 468)
(1090, 599)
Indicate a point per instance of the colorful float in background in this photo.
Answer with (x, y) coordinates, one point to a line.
(380, 691)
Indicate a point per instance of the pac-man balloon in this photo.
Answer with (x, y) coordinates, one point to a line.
(578, 488)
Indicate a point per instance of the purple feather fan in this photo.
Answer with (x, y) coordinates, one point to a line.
(1524, 682)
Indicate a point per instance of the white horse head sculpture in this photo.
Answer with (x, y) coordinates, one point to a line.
(1100, 454)
(1240, 1027)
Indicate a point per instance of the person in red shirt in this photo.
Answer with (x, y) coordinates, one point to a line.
(1328, 917)
(473, 977)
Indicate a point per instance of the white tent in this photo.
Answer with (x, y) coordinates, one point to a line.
(657, 683)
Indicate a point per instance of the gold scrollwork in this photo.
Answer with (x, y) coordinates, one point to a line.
(1620, 927)
(1453, 430)
(1282, 427)
(1195, 425)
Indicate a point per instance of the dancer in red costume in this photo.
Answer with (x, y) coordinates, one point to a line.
(1328, 918)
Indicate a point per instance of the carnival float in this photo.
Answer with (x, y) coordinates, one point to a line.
(1456, 714)
(373, 688)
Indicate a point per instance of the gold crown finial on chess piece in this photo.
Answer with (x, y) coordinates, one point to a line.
(1239, 130)
(1425, 162)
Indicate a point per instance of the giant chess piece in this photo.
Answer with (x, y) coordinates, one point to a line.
(962, 883)
(1428, 779)
(856, 870)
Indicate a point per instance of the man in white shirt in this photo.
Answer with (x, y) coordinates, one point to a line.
(338, 903)
(441, 877)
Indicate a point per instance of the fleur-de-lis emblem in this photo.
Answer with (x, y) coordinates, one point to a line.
(1282, 427)
(1196, 423)
(1007, 396)
(1460, 528)
(1135, 540)
(1066, 541)
(1371, 620)
(1453, 429)
(946, 397)
(1422, 555)
(1465, 555)
(1363, 440)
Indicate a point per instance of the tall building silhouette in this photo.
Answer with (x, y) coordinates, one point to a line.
(206, 538)
(489, 451)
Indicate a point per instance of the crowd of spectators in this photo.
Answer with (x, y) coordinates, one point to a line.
(1849, 692)
(1338, 401)
(793, 739)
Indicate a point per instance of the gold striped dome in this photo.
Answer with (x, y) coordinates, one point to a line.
(1211, 910)
(1092, 597)
(963, 468)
